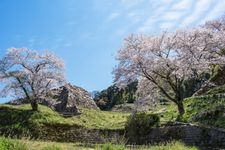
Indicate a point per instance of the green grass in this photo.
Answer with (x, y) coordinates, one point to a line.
(167, 112)
(208, 110)
(21, 116)
(13, 144)
(217, 90)
(22, 122)
(9, 144)
(174, 145)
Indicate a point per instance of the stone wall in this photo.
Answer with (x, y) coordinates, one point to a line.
(66, 133)
(189, 134)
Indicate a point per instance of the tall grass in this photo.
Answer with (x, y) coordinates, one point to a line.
(52, 147)
(13, 144)
(22, 118)
(175, 145)
(109, 146)
(9, 144)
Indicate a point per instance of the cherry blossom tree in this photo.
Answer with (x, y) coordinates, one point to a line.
(163, 63)
(216, 25)
(28, 74)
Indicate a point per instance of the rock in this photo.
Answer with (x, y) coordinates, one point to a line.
(67, 100)
(70, 98)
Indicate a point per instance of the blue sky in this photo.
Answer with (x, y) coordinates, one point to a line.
(87, 33)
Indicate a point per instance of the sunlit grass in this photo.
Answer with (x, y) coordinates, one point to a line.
(89, 118)
(25, 144)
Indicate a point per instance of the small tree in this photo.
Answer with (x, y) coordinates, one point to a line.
(139, 125)
(163, 63)
(28, 74)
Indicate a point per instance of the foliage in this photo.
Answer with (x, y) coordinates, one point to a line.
(30, 75)
(114, 95)
(140, 124)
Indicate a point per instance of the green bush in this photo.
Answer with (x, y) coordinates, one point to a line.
(9, 144)
(139, 125)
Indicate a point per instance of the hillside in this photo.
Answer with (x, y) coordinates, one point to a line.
(198, 110)
(205, 110)
(95, 126)
(21, 116)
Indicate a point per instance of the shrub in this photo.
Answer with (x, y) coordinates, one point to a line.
(139, 125)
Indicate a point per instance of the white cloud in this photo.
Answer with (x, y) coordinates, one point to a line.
(215, 12)
(131, 3)
(152, 19)
(148, 25)
(113, 16)
(172, 15)
(164, 15)
(182, 5)
(153, 16)
(201, 6)
(122, 32)
(134, 17)
(177, 10)
(166, 25)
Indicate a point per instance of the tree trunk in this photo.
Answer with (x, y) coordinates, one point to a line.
(180, 108)
(34, 105)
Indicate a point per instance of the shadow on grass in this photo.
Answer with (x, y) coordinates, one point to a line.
(15, 122)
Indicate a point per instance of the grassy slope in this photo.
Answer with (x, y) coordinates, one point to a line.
(21, 116)
(207, 110)
(217, 90)
(13, 144)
